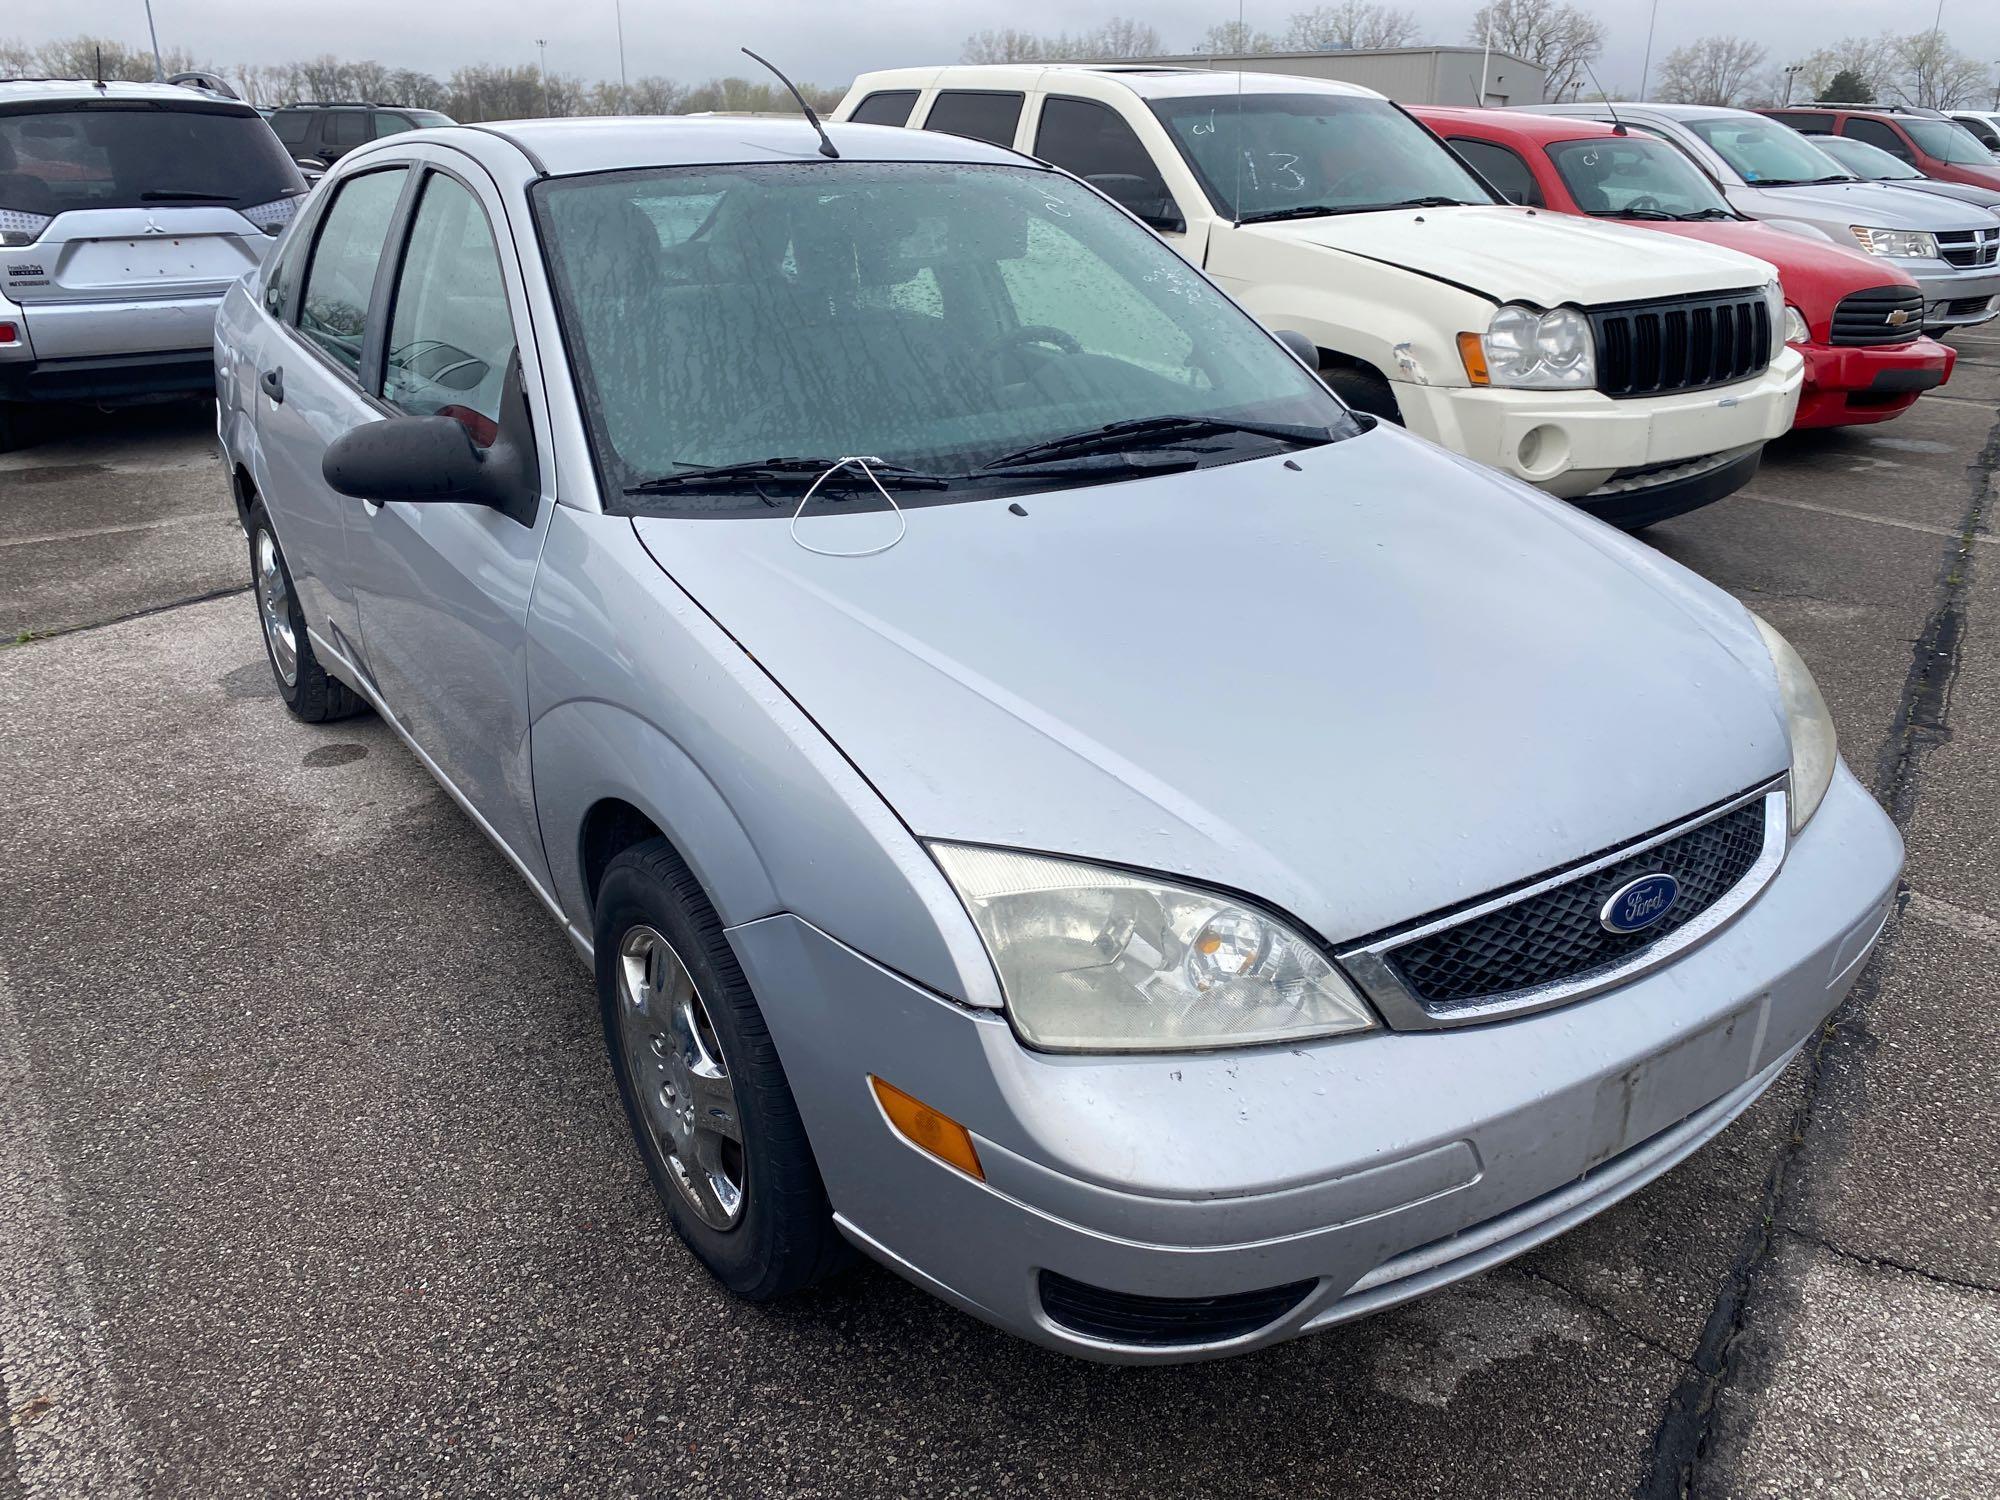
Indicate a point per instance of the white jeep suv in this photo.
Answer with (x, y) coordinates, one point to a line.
(1636, 375)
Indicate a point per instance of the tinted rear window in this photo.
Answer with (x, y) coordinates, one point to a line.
(886, 107)
(127, 154)
(291, 125)
(984, 117)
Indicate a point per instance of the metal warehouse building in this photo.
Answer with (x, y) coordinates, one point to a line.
(1409, 75)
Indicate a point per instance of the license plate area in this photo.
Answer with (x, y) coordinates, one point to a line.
(153, 261)
(1662, 1090)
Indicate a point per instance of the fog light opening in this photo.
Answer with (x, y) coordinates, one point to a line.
(1542, 451)
(929, 1131)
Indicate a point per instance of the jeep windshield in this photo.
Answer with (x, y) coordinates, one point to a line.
(140, 153)
(974, 327)
(1766, 154)
(1290, 156)
(1630, 177)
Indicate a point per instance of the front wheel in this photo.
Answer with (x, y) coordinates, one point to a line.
(706, 1096)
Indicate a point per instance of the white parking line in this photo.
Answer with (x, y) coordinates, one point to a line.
(1860, 515)
(68, 1431)
(1970, 924)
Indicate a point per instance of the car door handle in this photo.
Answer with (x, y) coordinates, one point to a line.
(273, 382)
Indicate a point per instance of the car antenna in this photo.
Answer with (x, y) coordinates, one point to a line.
(100, 66)
(1617, 125)
(825, 141)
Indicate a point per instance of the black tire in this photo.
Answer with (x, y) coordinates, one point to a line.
(314, 694)
(1363, 389)
(784, 1240)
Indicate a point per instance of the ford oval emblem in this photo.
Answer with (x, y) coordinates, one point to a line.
(1638, 904)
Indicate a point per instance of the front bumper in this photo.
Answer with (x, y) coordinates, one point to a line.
(1955, 297)
(1370, 1169)
(1847, 385)
(1571, 442)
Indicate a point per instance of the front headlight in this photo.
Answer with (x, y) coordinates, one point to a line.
(1815, 751)
(1526, 349)
(1916, 244)
(1096, 960)
(1796, 331)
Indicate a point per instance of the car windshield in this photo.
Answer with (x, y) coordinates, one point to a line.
(1766, 153)
(1291, 155)
(1948, 141)
(140, 154)
(1864, 160)
(1629, 176)
(941, 318)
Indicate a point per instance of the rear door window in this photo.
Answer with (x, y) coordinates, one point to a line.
(885, 107)
(388, 124)
(981, 115)
(1875, 133)
(141, 154)
(1502, 167)
(451, 337)
(292, 126)
(340, 277)
(1982, 132)
(1810, 122)
(346, 128)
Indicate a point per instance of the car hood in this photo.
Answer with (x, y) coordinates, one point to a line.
(1815, 274)
(1517, 254)
(1361, 690)
(1963, 192)
(1873, 204)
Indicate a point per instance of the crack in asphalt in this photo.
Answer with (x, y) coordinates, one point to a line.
(1681, 1442)
(31, 637)
(1886, 1262)
(1593, 1305)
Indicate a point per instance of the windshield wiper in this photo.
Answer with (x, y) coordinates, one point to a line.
(1326, 210)
(1631, 213)
(756, 471)
(1297, 211)
(1707, 213)
(1434, 200)
(165, 195)
(1145, 432)
(1801, 181)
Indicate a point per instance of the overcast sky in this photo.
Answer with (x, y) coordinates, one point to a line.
(830, 42)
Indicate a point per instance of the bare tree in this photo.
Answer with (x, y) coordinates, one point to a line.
(1123, 37)
(1936, 75)
(1003, 46)
(1352, 23)
(1872, 59)
(1117, 37)
(1713, 70)
(81, 56)
(1235, 39)
(16, 58)
(1559, 39)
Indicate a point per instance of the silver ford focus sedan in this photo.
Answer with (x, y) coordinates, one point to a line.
(1051, 798)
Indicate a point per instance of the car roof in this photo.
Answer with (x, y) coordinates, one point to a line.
(62, 90)
(1596, 109)
(1148, 81)
(562, 148)
(1540, 129)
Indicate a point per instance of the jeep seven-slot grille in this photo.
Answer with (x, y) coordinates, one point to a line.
(1555, 934)
(1681, 343)
(1871, 316)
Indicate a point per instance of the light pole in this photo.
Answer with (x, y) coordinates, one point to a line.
(159, 68)
(542, 68)
(1792, 70)
(624, 89)
(1646, 67)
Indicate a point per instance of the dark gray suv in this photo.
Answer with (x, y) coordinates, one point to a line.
(324, 132)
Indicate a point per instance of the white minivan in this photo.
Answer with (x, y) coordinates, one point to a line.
(1637, 375)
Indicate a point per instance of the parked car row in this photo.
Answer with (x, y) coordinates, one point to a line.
(1052, 798)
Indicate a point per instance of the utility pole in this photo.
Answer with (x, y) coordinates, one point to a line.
(542, 68)
(624, 89)
(160, 68)
(1646, 67)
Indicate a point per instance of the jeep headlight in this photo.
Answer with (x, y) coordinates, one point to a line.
(1098, 960)
(1774, 304)
(1917, 244)
(1527, 349)
(1815, 751)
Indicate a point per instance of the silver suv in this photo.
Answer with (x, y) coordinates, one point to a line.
(126, 211)
(1771, 172)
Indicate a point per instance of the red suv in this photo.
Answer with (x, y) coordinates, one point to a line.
(1858, 323)
(1935, 144)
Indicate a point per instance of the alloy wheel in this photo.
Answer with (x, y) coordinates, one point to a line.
(274, 603)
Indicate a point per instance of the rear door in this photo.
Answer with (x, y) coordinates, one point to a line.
(318, 325)
(443, 589)
(143, 213)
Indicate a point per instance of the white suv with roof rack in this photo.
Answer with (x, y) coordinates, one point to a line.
(1637, 379)
(126, 211)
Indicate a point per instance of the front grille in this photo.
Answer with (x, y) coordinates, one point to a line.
(1970, 247)
(1554, 935)
(1966, 307)
(1681, 343)
(1865, 317)
(1129, 1318)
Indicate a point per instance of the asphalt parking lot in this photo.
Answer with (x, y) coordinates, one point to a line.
(313, 1180)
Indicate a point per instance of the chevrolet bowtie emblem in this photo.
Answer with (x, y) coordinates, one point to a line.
(1897, 318)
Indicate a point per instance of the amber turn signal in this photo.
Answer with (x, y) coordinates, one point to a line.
(1473, 353)
(926, 1129)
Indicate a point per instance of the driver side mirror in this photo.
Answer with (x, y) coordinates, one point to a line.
(433, 460)
(1145, 198)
